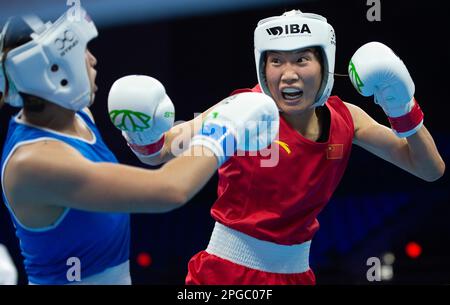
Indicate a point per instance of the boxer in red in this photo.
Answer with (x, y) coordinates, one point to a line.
(266, 216)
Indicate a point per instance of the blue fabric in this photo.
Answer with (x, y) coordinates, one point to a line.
(98, 240)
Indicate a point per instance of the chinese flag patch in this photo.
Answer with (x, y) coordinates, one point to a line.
(335, 151)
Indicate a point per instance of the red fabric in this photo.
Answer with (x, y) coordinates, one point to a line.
(257, 88)
(335, 151)
(237, 91)
(280, 204)
(408, 121)
(208, 269)
(148, 149)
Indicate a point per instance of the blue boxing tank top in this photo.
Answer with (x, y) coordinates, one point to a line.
(98, 240)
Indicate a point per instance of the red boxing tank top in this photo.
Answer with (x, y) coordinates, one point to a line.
(280, 204)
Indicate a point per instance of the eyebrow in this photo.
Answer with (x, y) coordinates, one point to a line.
(295, 52)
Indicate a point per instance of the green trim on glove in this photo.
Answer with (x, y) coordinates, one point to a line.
(354, 77)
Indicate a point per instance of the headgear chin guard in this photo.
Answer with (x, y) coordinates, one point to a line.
(291, 31)
(52, 65)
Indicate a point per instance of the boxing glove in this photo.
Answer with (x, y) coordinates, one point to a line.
(247, 121)
(8, 271)
(376, 70)
(139, 106)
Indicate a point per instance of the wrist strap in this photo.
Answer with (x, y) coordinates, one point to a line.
(404, 124)
(150, 149)
(219, 139)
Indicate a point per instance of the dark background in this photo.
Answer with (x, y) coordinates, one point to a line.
(377, 208)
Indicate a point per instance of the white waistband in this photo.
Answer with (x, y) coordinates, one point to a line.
(253, 253)
(117, 275)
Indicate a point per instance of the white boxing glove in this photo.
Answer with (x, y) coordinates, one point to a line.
(376, 70)
(8, 271)
(247, 121)
(139, 106)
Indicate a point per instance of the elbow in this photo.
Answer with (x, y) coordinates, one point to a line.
(180, 199)
(176, 197)
(436, 174)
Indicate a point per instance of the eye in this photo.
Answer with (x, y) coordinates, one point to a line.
(275, 60)
(303, 59)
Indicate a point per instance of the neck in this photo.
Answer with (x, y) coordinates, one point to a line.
(53, 117)
(308, 123)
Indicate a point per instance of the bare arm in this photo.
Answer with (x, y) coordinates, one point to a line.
(416, 154)
(177, 139)
(54, 174)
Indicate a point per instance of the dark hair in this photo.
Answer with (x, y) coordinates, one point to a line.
(18, 33)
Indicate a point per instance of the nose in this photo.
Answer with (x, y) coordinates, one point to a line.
(290, 75)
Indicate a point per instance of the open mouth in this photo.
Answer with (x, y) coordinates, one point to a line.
(291, 93)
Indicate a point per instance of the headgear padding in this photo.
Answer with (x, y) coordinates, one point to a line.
(295, 30)
(52, 65)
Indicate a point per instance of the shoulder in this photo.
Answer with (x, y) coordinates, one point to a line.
(360, 118)
(344, 109)
(33, 161)
(42, 149)
(354, 110)
(337, 103)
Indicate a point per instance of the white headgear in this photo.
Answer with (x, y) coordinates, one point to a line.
(295, 30)
(52, 65)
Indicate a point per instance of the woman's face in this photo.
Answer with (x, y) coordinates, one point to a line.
(91, 61)
(293, 78)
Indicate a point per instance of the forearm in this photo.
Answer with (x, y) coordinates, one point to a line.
(179, 137)
(176, 141)
(191, 171)
(424, 156)
(416, 154)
